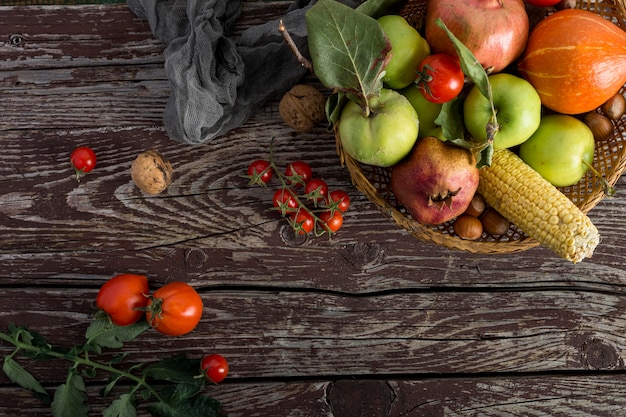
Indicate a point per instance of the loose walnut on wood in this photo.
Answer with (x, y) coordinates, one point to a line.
(151, 172)
(302, 107)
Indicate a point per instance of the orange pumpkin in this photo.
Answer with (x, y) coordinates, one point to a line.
(576, 60)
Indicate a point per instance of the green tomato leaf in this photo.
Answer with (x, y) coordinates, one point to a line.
(124, 406)
(182, 372)
(70, 399)
(348, 49)
(199, 406)
(16, 373)
(102, 333)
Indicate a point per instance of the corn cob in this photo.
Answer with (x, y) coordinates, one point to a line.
(538, 208)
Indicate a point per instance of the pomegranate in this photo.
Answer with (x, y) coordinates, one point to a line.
(495, 31)
(436, 181)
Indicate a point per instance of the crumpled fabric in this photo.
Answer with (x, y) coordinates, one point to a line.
(218, 80)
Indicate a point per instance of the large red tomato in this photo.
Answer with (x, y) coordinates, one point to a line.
(122, 298)
(174, 309)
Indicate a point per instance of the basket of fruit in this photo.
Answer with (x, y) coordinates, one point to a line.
(513, 157)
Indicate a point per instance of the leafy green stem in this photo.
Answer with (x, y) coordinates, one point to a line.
(77, 361)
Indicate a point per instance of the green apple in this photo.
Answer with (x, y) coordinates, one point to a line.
(559, 149)
(518, 110)
(408, 49)
(385, 136)
(427, 111)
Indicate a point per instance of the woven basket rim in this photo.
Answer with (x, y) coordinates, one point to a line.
(515, 241)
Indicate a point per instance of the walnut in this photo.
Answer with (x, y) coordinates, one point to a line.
(302, 107)
(151, 172)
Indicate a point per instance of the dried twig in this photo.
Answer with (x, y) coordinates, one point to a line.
(301, 59)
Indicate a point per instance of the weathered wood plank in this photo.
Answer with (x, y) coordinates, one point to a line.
(313, 335)
(554, 396)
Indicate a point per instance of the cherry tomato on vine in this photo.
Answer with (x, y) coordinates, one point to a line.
(333, 220)
(440, 77)
(316, 189)
(302, 222)
(215, 367)
(174, 309)
(83, 160)
(542, 3)
(284, 200)
(341, 198)
(121, 297)
(260, 172)
(298, 173)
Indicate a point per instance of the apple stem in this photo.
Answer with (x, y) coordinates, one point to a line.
(608, 189)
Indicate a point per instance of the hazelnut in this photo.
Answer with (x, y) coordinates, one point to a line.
(476, 206)
(151, 172)
(615, 107)
(494, 223)
(302, 107)
(468, 227)
(600, 125)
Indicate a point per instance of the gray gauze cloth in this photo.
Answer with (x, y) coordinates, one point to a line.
(218, 80)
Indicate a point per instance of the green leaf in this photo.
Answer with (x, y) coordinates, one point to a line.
(124, 406)
(70, 399)
(199, 406)
(450, 115)
(469, 64)
(348, 49)
(178, 368)
(113, 379)
(182, 372)
(102, 333)
(16, 373)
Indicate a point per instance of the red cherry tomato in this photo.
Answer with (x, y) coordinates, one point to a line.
(440, 77)
(121, 297)
(542, 3)
(83, 160)
(340, 198)
(298, 173)
(174, 309)
(215, 367)
(260, 172)
(302, 222)
(284, 200)
(333, 220)
(316, 189)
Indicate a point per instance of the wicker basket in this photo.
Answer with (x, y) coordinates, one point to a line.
(609, 160)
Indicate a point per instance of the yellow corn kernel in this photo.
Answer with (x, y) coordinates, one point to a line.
(562, 227)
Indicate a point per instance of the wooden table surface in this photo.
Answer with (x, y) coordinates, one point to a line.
(371, 323)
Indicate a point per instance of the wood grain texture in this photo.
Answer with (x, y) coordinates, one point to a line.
(370, 323)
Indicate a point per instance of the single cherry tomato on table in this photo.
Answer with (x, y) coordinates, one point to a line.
(83, 160)
(333, 220)
(340, 198)
(174, 309)
(122, 298)
(298, 173)
(440, 77)
(260, 172)
(214, 367)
